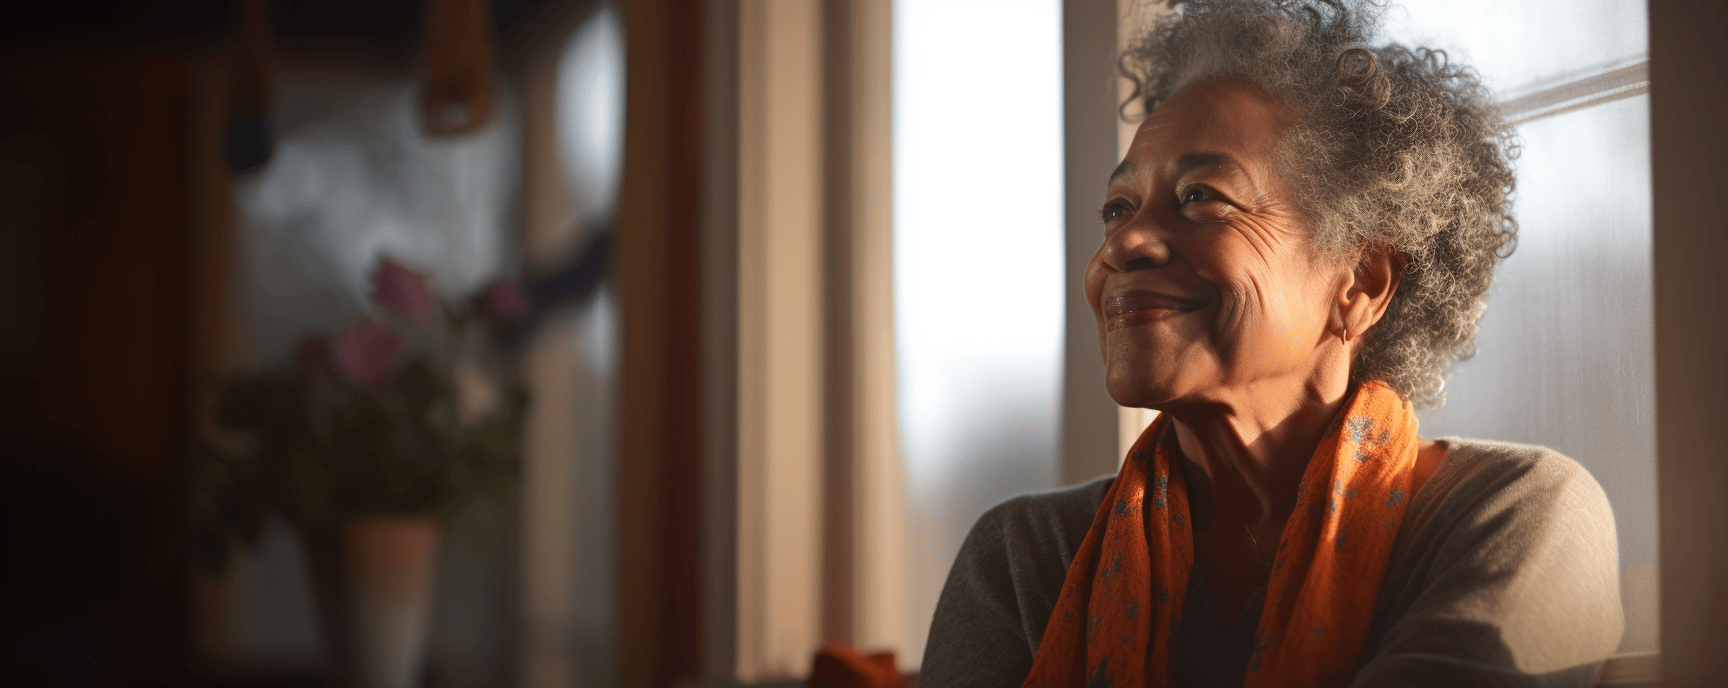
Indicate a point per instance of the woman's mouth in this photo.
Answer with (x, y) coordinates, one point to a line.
(1129, 308)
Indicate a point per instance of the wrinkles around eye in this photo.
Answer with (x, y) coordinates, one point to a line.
(1208, 211)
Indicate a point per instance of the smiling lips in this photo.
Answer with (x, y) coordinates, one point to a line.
(1125, 309)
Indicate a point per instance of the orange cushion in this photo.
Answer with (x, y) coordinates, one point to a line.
(839, 666)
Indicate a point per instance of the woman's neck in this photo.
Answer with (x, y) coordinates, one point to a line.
(1246, 460)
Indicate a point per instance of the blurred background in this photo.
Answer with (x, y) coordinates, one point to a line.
(803, 299)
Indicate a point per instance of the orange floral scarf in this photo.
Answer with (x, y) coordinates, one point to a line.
(1115, 623)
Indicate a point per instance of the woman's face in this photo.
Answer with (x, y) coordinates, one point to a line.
(1206, 288)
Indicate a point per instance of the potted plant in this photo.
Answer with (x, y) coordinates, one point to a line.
(364, 444)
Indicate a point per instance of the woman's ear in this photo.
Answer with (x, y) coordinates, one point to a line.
(1371, 286)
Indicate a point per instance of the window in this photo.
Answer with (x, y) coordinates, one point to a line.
(978, 267)
(1566, 350)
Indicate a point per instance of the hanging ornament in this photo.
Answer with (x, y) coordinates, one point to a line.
(249, 139)
(457, 97)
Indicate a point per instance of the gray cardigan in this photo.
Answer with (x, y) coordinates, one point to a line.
(1504, 574)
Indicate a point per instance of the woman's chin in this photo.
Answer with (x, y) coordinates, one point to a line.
(1140, 393)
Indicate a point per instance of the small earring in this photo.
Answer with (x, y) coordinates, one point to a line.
(1344, 333)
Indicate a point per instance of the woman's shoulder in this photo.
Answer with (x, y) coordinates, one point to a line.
(1504, 545)
(1037, 530)
(1486, 491)
(1004, 584)
(1063, 511)
(1485, 474)
(1473, 452)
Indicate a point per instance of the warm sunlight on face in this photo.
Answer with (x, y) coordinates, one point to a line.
(1206, 285)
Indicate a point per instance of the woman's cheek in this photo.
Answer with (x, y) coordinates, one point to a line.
(1239, 315)
(1094, 286)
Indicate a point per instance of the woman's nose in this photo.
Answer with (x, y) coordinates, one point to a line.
(1136, 246)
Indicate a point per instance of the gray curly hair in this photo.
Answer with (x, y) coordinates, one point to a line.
(1396, 148)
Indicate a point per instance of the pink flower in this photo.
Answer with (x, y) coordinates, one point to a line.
(400, 289)
(503, 300)
(312, 355)
(366, 352)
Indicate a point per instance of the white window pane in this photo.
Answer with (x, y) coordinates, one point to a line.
(1523, 46)
(1566, 351)
(978, 242)
(354, 178)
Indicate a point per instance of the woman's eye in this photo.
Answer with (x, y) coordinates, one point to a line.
(1195, 194)
(1113, 211)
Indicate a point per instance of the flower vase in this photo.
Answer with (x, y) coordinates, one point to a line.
(372, 578)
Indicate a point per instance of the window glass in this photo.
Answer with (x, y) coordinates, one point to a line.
(1566, 349)
(1522, 46)
(978, 292)
(354, 178)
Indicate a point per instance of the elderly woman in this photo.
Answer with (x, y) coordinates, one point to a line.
(1297, 246)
